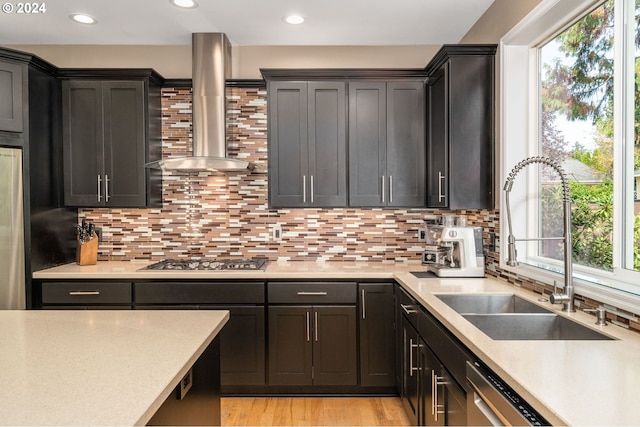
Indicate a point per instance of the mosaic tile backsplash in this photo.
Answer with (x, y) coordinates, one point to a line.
(206, 215)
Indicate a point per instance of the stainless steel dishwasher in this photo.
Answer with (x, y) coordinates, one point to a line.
(490, 402)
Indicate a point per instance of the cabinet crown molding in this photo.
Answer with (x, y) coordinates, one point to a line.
(112, 74)
(30, 59)
(342, 73)
(449, 50)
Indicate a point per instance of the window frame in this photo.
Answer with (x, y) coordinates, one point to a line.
(520, 136)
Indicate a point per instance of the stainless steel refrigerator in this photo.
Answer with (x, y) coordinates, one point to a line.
(12, 259)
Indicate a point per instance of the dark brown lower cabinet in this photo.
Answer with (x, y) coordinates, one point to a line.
(410, 381)
(432, 365)
(242, 339)
(441, 400)
(242, 344)
(377, 334)
(312, 345)
(242, 347)
(431, 404)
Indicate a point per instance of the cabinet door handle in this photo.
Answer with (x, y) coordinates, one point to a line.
(411, 347)
(83, 293)
(433, 393)
(106, 188)
(382, 183)
(315, 327)
(390, 189)
(410, 357)
(364, 310)
(311, 188)
(308, 293)
(304, 188)
(441, 194)
(99, 188)
(308, 327)
(436, 381)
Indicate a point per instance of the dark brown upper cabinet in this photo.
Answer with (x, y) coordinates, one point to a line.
(460, 127)
(342, 137)
(11, 90)
(386, 144)
(111, 129)
(307, 144)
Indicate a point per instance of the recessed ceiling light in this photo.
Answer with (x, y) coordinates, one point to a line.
(187, 4)
(83, 18)
(294, 19)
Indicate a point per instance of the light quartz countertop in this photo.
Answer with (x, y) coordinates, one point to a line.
(102, 367)
(278, 270)
(568, 382)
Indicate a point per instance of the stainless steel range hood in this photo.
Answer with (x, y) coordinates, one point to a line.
(211, 67)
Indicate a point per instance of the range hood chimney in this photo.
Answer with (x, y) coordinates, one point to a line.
(211, 67)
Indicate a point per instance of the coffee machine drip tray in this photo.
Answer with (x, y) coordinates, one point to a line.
(424, 274)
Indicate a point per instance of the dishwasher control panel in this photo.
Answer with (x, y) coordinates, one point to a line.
(490, 386)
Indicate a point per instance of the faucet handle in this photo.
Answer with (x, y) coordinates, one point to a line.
(555, 297)
(601, 315)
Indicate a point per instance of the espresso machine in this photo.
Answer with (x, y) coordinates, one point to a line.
(453, 249)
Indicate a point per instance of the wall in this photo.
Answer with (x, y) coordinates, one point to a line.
(501, 17)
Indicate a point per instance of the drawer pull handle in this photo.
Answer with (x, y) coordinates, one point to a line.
(407, 309)
(76, 293)
(307, 293)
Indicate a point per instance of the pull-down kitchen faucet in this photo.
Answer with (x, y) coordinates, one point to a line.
(566, 298)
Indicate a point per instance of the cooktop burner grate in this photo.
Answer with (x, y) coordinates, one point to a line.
(209, 264)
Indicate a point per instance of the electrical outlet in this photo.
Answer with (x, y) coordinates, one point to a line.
(98, 231)
(494, 242)
(422, 234)
(276, 232)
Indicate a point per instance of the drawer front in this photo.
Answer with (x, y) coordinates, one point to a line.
(86, 307)
(84, 293)
(199, 292)
(312, 292)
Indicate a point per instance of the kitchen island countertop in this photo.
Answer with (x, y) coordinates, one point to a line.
(568, 382)
(102, 367)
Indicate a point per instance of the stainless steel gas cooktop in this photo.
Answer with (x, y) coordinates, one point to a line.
(209, 264)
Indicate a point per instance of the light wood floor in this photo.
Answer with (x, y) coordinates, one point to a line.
(313, 411)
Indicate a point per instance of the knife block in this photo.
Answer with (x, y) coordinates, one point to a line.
(87, 252)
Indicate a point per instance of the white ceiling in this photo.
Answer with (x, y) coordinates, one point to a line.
(246, 22)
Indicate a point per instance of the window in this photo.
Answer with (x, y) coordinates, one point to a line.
(570, 91)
